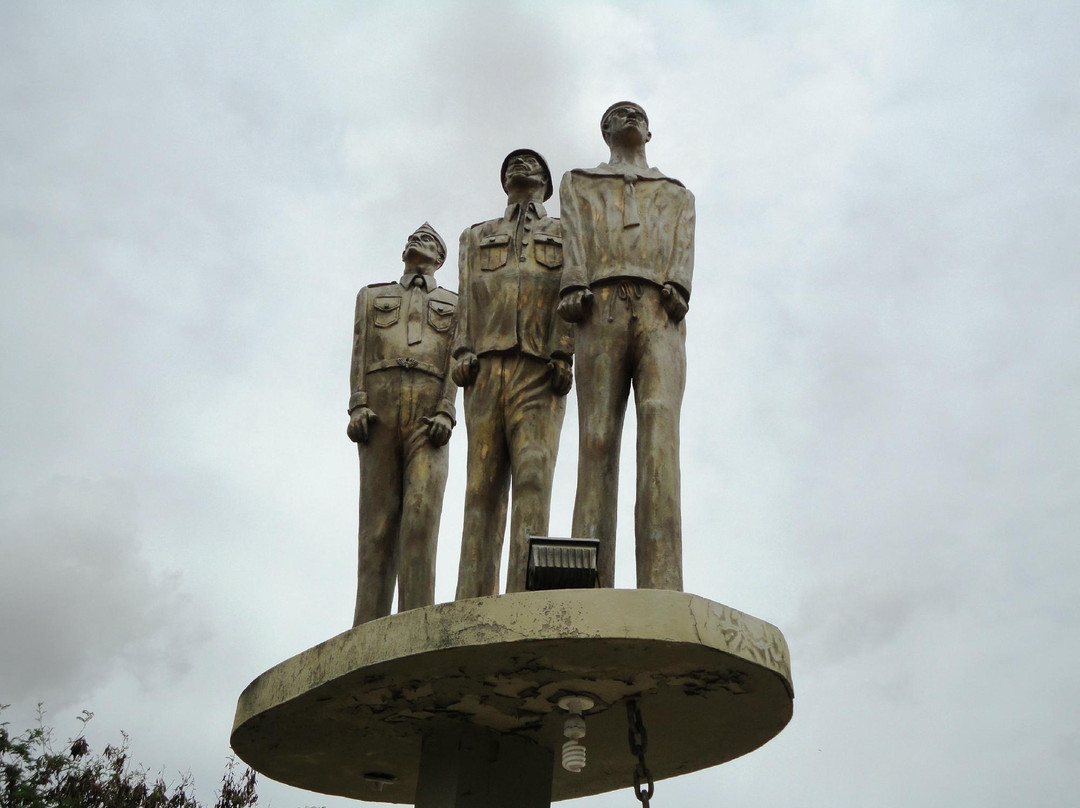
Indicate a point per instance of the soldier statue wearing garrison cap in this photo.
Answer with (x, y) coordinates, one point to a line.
(401, 413)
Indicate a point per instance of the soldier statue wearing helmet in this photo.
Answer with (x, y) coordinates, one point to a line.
(512, 355)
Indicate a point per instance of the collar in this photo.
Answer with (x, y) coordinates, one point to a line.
(606, 170)
(429, 281)
(514, 209)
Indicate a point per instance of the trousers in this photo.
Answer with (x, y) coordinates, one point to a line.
(513, 419)
(629, 341)
(402, 480)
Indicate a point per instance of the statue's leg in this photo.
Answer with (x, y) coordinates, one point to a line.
(602, 378)
(659, 381)
(534, 420)
(380, 512)
(425, 468)
(487, 483)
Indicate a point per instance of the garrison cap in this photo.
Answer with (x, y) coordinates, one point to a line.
(427, 228)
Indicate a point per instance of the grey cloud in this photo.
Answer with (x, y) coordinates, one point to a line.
(846, 619)
(80, 600)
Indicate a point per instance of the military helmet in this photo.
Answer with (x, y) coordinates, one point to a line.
(548, 188)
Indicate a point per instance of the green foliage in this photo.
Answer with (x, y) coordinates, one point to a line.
(34, 775)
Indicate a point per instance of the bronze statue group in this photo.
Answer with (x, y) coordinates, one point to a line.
(608, 284)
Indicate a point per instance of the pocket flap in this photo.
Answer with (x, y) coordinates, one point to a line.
(441, 308)
(387, 303)
(547, 238)
(498, 240)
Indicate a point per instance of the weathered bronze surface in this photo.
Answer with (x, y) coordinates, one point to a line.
(512, 355)
(401, 413)
(467, 703)
(629, 260)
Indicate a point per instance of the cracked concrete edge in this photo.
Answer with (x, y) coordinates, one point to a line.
(526, 616)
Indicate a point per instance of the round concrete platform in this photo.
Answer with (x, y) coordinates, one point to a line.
(713, 684)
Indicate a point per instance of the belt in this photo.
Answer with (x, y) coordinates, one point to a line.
(408, 363)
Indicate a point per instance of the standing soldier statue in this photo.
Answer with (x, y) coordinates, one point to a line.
(513, 356)
(626, 284)
(401, 413)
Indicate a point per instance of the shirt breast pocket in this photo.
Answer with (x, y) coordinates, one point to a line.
(494, 250)
(387, 311)
(440, 315)
(547, 249)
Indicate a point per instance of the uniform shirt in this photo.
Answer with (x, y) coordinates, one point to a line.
(406, 324)
(509, 270)
(626, 224)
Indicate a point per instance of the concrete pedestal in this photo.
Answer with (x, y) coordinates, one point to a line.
(480, 680)
(472, 767)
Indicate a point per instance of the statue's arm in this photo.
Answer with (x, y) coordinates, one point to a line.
(675, 295)
(441, 423)
(464, 365)
(560, 345)
(574, 273)
(681, 275)
(574, 295)
(360, 416)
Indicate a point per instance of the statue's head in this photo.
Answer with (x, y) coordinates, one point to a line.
(526, 166)
(426, 248)
(625, 122)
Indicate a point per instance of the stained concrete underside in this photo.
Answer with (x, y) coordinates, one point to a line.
(713, 684)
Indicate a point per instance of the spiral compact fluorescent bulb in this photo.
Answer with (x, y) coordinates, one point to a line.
(573, 752)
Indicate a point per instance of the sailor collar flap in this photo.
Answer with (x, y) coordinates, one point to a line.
(631, 174)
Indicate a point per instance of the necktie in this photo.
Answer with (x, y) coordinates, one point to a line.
(415, 328)
(630, 210)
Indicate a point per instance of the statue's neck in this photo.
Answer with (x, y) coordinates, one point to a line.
(524, 194)
(628, 156)
(419, 268)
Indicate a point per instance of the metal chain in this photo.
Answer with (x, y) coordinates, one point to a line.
(639, 744)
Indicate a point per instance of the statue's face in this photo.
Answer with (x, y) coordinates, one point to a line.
(424, 245)
(524, 167)
(627, 124)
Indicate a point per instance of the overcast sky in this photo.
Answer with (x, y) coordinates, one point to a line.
(881, 430)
